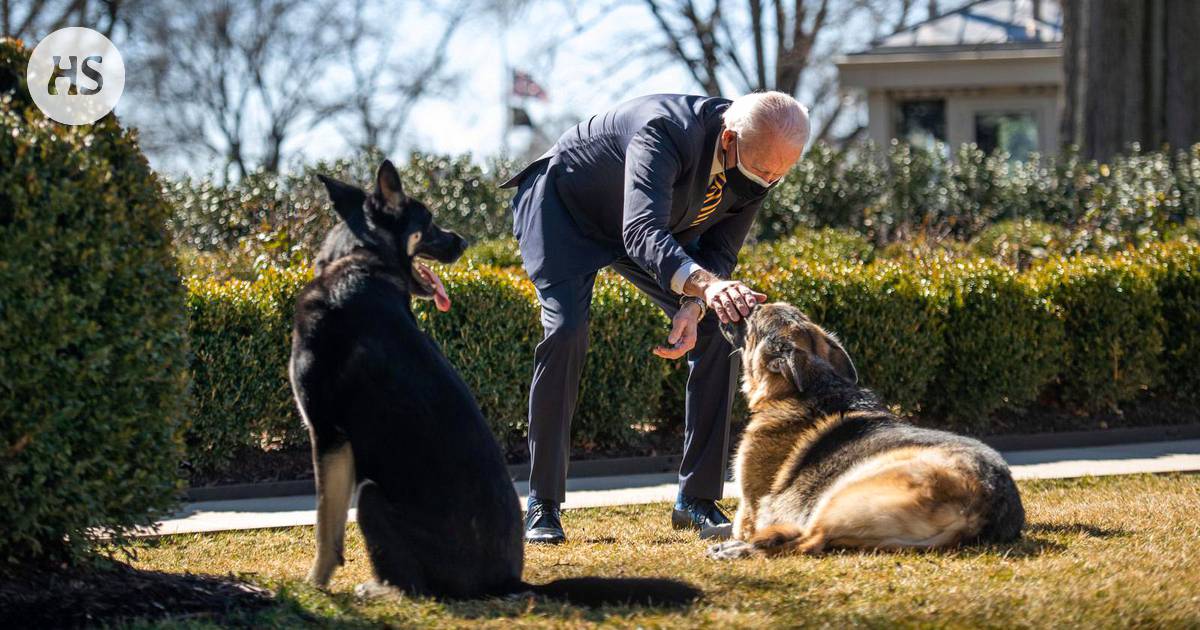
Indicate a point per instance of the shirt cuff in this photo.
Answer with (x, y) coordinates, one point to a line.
(681, 275)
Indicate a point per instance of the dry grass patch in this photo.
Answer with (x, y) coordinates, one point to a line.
(1107, 552)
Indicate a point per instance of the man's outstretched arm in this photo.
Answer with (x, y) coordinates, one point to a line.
(652, 164)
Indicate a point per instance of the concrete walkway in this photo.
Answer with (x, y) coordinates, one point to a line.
(1151, 457)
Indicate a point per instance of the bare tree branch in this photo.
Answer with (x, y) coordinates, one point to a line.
(377, 112)
(756, 27)
(237, 78)
(784, 45)
(675, 45)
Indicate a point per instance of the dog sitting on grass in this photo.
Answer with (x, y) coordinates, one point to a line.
(824, 464)
(391, 419)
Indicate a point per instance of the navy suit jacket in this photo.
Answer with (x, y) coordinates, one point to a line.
(634, 180)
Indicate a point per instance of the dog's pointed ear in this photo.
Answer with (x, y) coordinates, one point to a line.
(787, 363)
(387, 185)
(347, 201)
(840, 359)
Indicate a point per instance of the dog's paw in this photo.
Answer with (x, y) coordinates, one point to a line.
(316, 579)
(375, 590)
(717, 532)
(731, 550)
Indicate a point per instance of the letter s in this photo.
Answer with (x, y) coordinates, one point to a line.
(93, 74)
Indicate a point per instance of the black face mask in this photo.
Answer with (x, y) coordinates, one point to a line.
(743, 186)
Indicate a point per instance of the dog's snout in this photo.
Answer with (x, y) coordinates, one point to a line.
(735, 333)
(445, 245)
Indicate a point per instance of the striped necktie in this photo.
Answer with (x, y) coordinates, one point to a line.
(712, 199)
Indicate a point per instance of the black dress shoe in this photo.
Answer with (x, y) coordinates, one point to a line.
(693, 513)
(542, 522)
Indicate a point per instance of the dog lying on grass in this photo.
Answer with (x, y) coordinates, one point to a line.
(824, 464)
(390, 418)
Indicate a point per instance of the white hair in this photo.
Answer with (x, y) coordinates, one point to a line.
(768, 117)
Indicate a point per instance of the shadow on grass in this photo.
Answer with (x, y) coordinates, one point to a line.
(1026, 547)
(525, 606)
(102, 590)
(599, 540)
(1092, 531)
(297, 604)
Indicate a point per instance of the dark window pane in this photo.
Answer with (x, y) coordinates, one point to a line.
(1012, 132)
(921, 123)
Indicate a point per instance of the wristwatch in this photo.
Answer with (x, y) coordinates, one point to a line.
(684, 299)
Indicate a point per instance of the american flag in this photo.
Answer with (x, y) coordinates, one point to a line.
(524, 85)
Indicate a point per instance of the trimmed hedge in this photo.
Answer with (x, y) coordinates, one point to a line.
(238, 229)
(493, 327)
(93, 359)
(241, 335)
(1176, 273)
(889, 319)
(950, 341)
(1003, 343)
(1113, 320)
(489, 335)
(889, 195)
(497, 252)
(825, 245)
(241, 340)
(622, 380)
(897, 192)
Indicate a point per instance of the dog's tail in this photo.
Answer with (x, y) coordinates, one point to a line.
(597, 591)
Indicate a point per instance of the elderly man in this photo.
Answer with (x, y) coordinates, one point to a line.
(662, 189)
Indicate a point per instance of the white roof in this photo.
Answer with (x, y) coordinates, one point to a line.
(987, 23)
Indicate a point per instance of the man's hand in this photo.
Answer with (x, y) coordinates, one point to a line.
(729, 299)
(683, 333)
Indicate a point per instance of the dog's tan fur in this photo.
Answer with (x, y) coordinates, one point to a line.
(335, 491)
(923, 496)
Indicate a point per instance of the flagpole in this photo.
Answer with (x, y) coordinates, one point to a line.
(506, 81)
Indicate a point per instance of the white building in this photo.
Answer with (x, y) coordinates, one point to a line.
(989, 73)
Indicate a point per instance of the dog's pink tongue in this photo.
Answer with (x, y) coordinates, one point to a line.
(440, 298)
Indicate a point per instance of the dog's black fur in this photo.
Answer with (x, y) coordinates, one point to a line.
(389, 415)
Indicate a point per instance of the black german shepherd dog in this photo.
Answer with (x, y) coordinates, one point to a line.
(389, 416)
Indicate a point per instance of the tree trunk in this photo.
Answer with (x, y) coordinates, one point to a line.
(1182, 73)
(1130, 74)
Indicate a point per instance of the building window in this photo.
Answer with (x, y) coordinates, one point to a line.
(1015, 133)
(921, 123)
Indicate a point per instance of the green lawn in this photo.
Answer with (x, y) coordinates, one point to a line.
(1108, 552)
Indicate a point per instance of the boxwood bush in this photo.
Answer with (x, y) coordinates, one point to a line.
(1003, 343)
(829, 245)
(489, 335)
(241, 333)
(1113, 322)
(237, 229)
(241, 340)
(1176, 273)
(1019, 243)
(496, 252)
(889, 319)
(946, 339)
(93, 363)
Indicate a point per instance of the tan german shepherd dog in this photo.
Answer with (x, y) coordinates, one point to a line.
(824, 464)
